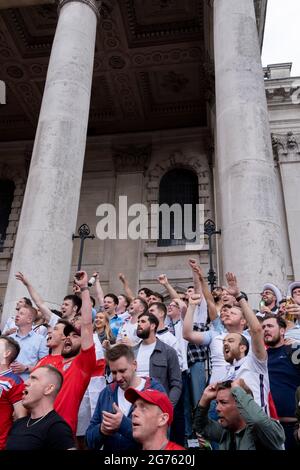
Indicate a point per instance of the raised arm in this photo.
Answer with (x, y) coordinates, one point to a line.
(99, 290)
(81, 279)
(211, 306)
(195, 337)
(256, 332)
(39, 302)
(163, 280)
(126, 287)
(211, 430)
(197, 284)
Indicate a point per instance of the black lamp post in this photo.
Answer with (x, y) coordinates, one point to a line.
(83, 234)
(210, 230)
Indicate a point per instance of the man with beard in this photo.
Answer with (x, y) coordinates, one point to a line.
(156, 359)
(43, 428)
(234, 322)
(250, 365)
(127, 333)
(79, 359)
(284, 373)
(270, 298)
(242, 424)
(110, 425)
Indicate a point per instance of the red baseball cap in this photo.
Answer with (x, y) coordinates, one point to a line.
(155, 397)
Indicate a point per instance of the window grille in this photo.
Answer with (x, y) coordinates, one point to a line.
(178, 186)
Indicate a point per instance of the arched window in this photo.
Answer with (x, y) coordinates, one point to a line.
(7, 189)
(180, 187)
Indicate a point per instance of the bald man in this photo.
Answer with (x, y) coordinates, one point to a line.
(43, 428)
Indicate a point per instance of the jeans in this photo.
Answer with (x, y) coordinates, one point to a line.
(193, 387)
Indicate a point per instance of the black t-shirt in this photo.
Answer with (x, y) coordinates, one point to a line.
(49, 432)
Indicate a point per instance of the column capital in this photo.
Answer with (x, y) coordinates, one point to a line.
(98, 6)
(286, 147)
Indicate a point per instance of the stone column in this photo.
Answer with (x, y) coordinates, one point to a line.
(287, 153)
(251, 244)
(43, 246)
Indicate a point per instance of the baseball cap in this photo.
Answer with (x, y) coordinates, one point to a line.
(70, 329)
(155, 397)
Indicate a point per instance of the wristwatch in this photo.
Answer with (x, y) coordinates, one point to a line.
(83, 288)
(240, 297)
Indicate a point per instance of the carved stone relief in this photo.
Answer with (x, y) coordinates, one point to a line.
(286, 147)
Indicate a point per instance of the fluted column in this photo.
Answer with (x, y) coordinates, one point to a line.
(251, 238)
(43, 245)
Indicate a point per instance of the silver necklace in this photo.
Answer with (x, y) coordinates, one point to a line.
(37, 421)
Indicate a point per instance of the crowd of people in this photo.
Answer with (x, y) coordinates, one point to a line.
(151, 370)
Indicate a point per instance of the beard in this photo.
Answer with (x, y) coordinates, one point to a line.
(272, 342)
(67, 353)
(143, 334)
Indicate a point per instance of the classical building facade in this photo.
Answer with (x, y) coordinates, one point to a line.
(158, 101)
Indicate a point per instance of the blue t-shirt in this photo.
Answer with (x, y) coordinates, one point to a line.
(115, 324)
(284, 380)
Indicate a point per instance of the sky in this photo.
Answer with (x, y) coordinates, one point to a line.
(282, 34)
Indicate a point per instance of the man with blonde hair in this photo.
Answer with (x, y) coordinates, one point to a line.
(33, 346)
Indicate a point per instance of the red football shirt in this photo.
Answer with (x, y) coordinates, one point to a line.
(77, 374)
(11, 389)
(173, 446)
(55, 361)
